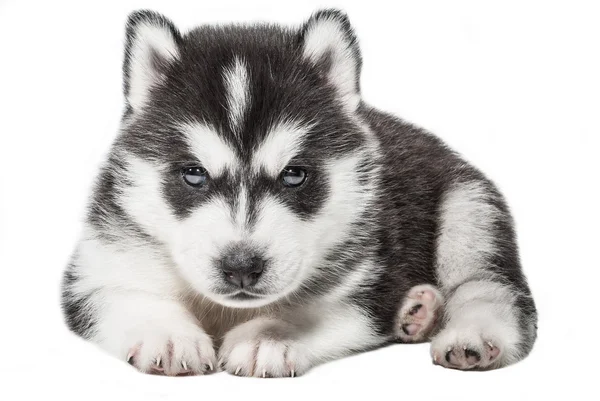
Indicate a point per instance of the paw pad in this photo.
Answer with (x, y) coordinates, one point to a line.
(418, 314)
(467, 357)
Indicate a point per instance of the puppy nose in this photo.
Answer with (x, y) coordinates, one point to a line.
(243, 279)
(242, 268)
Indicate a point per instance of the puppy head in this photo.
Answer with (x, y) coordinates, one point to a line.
(243, 151)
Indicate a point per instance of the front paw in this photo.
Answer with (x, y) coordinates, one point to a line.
(263, 348)
(174, 350)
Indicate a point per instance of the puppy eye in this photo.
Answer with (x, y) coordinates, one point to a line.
(293, 176)
(195, 176)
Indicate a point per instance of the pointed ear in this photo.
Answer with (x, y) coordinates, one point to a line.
(152, 44)
(330, 44)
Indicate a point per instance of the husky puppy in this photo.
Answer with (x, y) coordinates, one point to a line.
(255, 215)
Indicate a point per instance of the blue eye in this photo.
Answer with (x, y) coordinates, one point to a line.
(293, 176)
(195, 176)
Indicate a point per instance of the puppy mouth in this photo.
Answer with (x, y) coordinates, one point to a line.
(237, 293)
(244, 296)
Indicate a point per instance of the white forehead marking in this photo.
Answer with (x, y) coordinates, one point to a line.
(241, 214)
(212, 152)
(237, 83)
(283, 142)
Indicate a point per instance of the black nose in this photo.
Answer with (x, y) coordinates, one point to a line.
(243, 279)
(242, 267)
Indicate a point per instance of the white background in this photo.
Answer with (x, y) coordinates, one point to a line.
(514, 86)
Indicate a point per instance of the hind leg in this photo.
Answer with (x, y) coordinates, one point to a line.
(418, 315)
(489, 315)
(481, 328)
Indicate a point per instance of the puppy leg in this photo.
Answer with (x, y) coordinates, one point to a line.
(282, 347)
(490, 318)
(481, 330)
(154, 335)
(128, 305)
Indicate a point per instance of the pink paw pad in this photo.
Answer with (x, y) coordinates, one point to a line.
(467, 357)
(418, 314)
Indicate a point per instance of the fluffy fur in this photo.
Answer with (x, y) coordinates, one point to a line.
(390, 230)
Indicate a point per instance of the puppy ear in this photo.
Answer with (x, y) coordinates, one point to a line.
(152, 44)
(329, 43)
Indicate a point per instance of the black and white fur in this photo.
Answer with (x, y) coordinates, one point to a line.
(390, 221)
